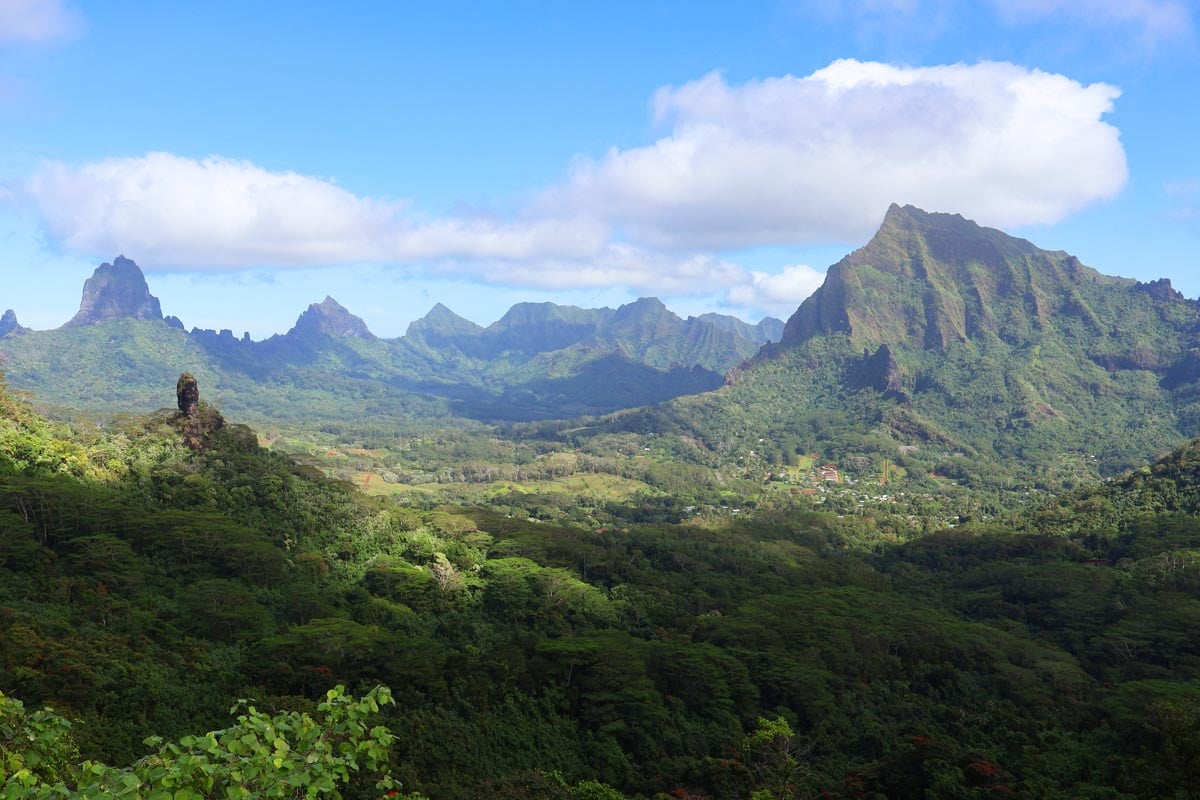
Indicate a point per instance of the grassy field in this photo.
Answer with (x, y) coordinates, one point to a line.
(598, 487)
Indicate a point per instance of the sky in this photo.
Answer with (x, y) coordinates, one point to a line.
(253, 158)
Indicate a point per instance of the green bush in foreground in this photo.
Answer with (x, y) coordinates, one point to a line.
(286, 755)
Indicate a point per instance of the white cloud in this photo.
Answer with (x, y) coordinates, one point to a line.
(780, 293)
(779, 161)
(1155, 21)
(174, 213)
(616, 264)
(819, 158)
(36, 20)
(219, 213)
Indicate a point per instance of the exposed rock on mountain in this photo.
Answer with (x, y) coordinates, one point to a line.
(187, 394)
(1160, 289)
(331, 318)
(540, 360)
(9, 324)
(928, 280)
(115, 291)
(1002, 353)
(197, 422)
(879, 372)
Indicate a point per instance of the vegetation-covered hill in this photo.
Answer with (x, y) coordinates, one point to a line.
(597, 617)
(146, 583)
(538, 361)
(957, 351)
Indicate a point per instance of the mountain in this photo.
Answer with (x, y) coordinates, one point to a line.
(929, 280)
(330, 318)
(540, 360)
(531, 328)
(766, 331)
(441, 327)
(645, 331)
(116, 291)
(966, 353)
(9, 324)
(934, 282)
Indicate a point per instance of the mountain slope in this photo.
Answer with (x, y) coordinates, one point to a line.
(540, 360)
(961, 351)
(116, 291)
(330, 318)
(146, 581)
(9, 324)
(765, 331)
(929, 280)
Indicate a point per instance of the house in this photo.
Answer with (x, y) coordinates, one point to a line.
(828, 472)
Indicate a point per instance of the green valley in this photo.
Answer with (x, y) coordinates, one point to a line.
(917, 548)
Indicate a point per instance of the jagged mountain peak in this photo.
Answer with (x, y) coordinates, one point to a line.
(9, 324)
(442, 321)
(643, 321)
(331, 318)
(930, 279)
(644, 309)
(115, 291)
(909, 237)
(441, 310)
(644, 304)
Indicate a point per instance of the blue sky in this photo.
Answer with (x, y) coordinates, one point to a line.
(255, 157)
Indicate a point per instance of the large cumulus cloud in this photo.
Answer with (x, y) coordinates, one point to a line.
(818, 158)
(786, 160)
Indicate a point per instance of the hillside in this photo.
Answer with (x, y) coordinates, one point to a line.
(151, 575)
(538, 361)
(956, 350)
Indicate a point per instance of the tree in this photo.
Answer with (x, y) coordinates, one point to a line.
(286, 755)
(770, 756)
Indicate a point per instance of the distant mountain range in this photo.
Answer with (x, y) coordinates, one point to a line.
(540, 360)
(945, 348)
(964, 352)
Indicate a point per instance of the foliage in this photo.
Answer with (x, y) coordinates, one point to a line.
(539, 361)
(286, 755)
(597, 647)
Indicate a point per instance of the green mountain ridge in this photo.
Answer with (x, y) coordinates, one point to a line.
(540, 360)
(764, 332)
(961, 351)
(929, 280)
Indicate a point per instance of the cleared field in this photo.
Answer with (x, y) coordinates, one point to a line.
(597, 486)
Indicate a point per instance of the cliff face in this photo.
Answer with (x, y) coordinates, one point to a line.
(9, 324)
(115, 291)
(928, 280)
(878, 371)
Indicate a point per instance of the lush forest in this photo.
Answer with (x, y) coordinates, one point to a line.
(157, 572)
(899, 555)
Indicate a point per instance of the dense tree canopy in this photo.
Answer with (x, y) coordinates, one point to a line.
(146, 585)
